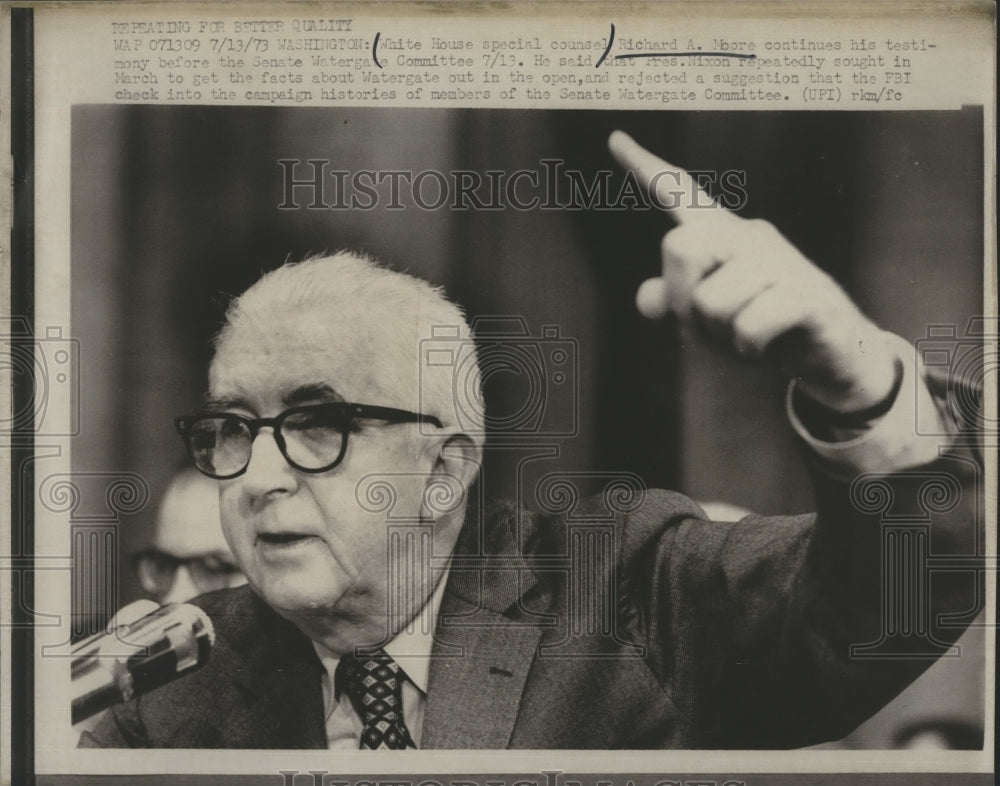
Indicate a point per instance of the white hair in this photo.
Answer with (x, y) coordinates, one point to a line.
(404, 325)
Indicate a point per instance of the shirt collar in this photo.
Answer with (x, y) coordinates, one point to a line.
(411, 647)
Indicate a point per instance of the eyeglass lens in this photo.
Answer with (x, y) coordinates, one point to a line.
(310, 438)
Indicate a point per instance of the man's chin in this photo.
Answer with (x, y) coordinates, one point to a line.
(301, 599)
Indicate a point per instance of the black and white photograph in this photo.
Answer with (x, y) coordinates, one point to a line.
(575, 430)
(582, 606)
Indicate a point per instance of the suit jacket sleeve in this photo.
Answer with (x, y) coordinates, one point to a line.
(782, 632)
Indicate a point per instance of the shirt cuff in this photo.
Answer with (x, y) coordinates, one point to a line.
(912, 432)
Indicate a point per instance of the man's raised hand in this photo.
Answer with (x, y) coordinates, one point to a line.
(744, 281)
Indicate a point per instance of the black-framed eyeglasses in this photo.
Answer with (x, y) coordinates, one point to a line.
(157, 571)
(312, 438)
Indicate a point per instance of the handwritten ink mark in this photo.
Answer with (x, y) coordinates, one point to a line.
(685, 54)
(611, 40)
(375, 48)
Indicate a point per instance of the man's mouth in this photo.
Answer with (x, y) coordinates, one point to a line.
(282, 538)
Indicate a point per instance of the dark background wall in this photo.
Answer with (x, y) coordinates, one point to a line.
(174, 209)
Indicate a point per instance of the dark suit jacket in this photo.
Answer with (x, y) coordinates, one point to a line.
(636, 625)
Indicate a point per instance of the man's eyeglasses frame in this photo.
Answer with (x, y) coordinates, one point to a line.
(346, 412)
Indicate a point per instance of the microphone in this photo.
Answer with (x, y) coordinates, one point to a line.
(140, 650)
(124, 617)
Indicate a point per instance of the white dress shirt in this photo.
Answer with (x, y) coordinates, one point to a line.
(911, 433)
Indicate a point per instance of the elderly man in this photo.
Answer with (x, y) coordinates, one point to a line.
(386, 608)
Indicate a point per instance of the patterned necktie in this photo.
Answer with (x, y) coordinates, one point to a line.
(374, 684)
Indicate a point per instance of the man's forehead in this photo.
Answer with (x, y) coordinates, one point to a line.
(300, 360)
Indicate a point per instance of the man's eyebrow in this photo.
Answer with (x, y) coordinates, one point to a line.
(316, 391)
(219, 403)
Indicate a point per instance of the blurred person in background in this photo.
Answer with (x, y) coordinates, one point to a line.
(189, 555)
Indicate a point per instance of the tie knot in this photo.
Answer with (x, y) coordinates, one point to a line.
(374, 684)
(359, 674)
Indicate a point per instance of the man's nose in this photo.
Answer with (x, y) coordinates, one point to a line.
(268, 472)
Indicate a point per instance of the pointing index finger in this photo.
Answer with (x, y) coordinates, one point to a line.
(672, 189)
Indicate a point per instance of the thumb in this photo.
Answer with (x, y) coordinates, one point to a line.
(652, 299)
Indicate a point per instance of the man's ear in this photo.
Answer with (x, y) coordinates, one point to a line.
(456, 466)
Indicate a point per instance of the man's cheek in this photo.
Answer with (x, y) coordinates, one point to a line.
(233, 528)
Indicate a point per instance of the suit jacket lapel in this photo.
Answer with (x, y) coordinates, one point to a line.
(476, 677)
(485, 642)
